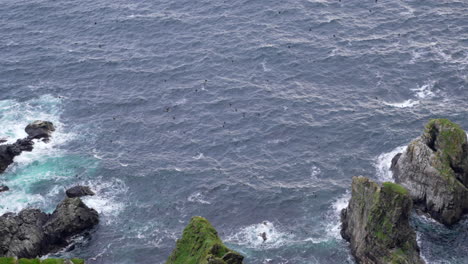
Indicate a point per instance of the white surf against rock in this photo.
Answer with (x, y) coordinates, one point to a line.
(384, 161)
(264, 235)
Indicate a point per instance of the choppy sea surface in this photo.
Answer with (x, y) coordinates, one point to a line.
(253, 114)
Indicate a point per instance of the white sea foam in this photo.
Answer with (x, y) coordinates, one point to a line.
(197, 197)
(404, 104)
(425, 91)
(333, 226)
(199, 156)
(384, 161)
(265, 68)
(38, 165)
(251, 236)
(105, 201)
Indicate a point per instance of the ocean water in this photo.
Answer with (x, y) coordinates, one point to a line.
(253, 114)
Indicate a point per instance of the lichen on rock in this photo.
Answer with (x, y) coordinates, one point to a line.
(376, 223)
(200, 244)
(434, 168)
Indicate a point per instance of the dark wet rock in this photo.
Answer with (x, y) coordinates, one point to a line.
(36, 130)
(4, 188)
(22, 235)
(200, 244)
(33, 233)
(79, 191)
(376, 223)
(40, 129)
(434, 168)
(9, 151)
(70, 218)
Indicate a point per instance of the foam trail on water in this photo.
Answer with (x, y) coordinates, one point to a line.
(420, 93)
(383, 163)
(405, 104)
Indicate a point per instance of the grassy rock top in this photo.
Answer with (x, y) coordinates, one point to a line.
(376, 223)
(200, 244)
(445, 137)
(12, 260)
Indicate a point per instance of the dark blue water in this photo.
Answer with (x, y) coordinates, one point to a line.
(238, 111)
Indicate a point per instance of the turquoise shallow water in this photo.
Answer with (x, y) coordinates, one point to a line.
(239, 111)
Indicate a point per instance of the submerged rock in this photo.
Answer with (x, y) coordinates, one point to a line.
(4, 188)
(200, 244)
(434, 168)
(376, 223)
(35, 130)
(33, 233)
(79, 191)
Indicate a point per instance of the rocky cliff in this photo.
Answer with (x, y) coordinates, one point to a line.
(376, 223)
(434, 168)
(200, 244)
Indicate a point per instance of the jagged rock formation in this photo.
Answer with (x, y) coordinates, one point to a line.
(36, 130)
(12, 260)
(200, 244)
(33, 233)
(376, 223)
(79, 191)
(434, 168)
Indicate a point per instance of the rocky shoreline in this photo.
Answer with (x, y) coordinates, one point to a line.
(32, 233)
(431, 174)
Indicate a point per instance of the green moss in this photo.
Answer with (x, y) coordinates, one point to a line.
(77, 261)
(449, 140)
(7, 260)
(29, 261)
(199, 243)
(397, 188)
(53, 261)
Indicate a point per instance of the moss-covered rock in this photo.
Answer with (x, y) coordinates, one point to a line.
(200, 244)
(376, 223)
(434, 168)
(13, 260)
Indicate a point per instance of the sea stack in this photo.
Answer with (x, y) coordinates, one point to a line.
(434, 168)
(376, 223)
(200, 244)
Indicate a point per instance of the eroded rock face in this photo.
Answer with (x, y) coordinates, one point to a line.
(36, 130)
(376, 223)
(33, 233)
(434, 168)
(200, 244)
